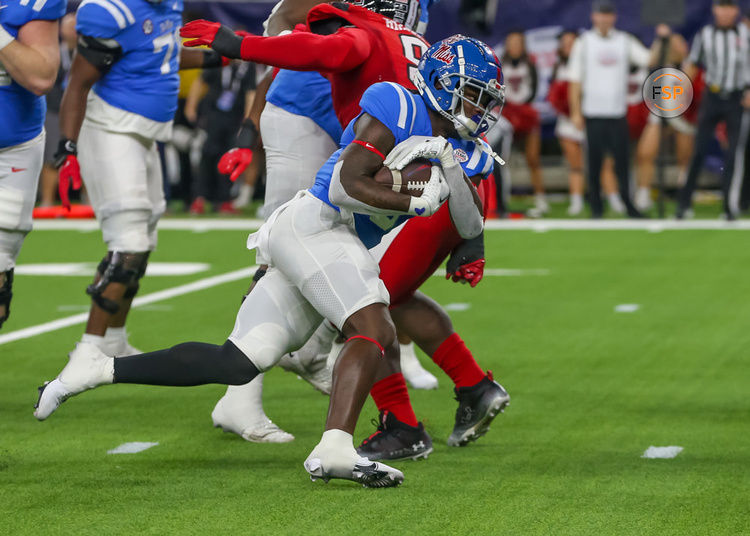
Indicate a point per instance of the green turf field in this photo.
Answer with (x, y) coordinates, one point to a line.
(591, 390)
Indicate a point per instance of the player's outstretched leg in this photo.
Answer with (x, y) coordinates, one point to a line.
(368, 332)
(186, 364)
(480, 398)
(240, 411)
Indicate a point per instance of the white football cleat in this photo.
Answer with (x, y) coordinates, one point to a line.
(326, 463)
(314, 372)
(417, 376)
(236, 418)
(87, 367)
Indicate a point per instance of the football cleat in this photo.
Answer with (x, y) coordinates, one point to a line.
(255, 430)
(369, 474)
(314, 371)
(395, 440)
(87, 368)
(478, 405)
(413, 371)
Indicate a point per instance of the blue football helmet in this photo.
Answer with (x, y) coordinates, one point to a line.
(457, 70)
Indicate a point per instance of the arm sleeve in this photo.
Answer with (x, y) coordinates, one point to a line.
(696, 51)
(575, 62)
(637, 53)
(305, 51)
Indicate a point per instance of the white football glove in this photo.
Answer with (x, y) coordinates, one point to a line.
(419, 147)
(434, 195)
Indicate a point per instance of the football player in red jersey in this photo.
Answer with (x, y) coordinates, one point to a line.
(351, 45)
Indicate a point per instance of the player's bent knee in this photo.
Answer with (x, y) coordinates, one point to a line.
(264, 344)
(374, 322)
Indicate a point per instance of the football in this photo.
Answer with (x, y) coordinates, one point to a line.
(411, 180)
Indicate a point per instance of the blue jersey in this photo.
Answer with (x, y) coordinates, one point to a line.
(144, 80)
(307, 94)
(406, 115)
(22, 112)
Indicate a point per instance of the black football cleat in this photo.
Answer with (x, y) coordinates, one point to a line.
(478, 405)
(395, 440)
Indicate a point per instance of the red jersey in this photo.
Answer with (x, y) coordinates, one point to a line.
(394, 54)
(371, 48)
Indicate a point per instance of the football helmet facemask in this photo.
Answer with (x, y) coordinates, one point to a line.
(462, 70)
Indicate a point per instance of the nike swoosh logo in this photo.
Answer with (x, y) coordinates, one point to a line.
(17, 169)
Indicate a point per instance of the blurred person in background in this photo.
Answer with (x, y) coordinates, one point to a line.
(520, 92)
(600, 63)
(229, 93)
(568, 134)
(681, 128)
(48, 179)
(722, 49)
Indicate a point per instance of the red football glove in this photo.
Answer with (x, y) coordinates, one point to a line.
(203, 32)
(471, 273)
(70, 173)
(235, 161)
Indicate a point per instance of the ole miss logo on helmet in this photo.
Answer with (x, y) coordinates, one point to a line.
(444, 54)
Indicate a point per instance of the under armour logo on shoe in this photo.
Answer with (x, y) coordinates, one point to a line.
(468, 414)
(419, 211)
(416, 446)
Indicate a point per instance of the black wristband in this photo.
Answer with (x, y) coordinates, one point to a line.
(211, 59)
(227, 43)
(248, 135)
(65, 148)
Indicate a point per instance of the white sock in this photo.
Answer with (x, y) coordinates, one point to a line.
(337, 441)
(96, 340)
(540, 200)
(116, 334)
(245, 402)
(576, 199)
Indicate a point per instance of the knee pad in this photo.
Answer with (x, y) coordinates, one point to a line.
(123, 268)
(264, 344)
(5, 295)
(135, 285)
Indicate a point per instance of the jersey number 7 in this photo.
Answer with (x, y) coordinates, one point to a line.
(167, 43)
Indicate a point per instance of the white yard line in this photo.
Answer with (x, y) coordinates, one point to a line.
(661, 452)
(154, 297)
(133, 447)
(240, 224)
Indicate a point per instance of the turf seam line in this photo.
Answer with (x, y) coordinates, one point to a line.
(161, 295)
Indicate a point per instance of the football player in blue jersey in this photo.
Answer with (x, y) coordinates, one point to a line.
(319, 265)
(120, 100)
(300, 131)
(29, 60)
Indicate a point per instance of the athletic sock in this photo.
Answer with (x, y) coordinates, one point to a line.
(96, 340)
(391, 394)
(457, 362)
